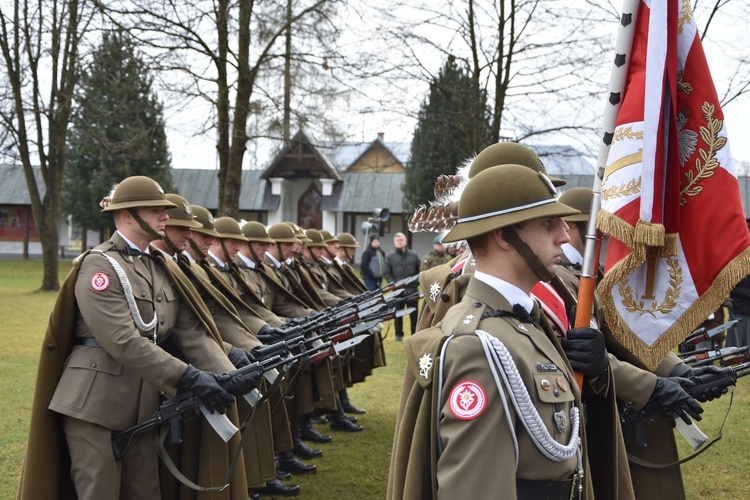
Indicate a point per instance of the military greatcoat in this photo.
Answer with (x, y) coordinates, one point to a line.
(473, 453)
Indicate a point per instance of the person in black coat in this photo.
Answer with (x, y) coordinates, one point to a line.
(373, 264)
(739, 336)
(399, 264)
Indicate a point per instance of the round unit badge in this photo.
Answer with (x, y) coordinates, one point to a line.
(99, 282)
(468, 400)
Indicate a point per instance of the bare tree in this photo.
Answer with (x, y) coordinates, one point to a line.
(533, 58)
(40, 43)
(220, 49)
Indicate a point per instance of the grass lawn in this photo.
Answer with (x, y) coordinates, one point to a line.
(354, 466)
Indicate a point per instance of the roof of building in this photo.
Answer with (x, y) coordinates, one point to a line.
(302, 158)
(201, 187)
(362, 192)
(13, 187)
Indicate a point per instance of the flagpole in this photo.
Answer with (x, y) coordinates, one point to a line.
(623, 45)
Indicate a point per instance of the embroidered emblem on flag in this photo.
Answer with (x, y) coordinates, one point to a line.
(99, 282)
(670, 195)
(468, 400)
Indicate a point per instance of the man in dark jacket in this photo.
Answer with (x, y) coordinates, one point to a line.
(373, 264)
(399, 264)
(739, 336)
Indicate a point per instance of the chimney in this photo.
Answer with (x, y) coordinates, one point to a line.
(381, 135)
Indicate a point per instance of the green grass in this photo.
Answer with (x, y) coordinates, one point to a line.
(353, 465)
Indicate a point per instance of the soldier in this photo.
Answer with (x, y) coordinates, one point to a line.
(310, 260)
(344, 257)
(116, 309)
(224, 254)
(445, 284)
(521, 433)
(327, 259)
(236, 324)
(437, 256)
(635, 384)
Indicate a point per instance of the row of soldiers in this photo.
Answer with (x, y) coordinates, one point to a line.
(490, 407)
(178, 302)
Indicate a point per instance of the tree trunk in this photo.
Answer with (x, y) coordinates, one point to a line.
(288, 76)
(50, 240)
(229, 204)
(222, 101)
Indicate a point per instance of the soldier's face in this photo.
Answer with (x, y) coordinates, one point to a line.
(316, 252)
(259, 248)
(155, 217)
(333, 248)
(232, 247)
(545, 236)
(287, 250)
(179, 236)
(203, 241)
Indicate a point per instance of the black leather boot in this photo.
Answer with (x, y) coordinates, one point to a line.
(287, 462)
(280, 474)
(340, 422)
(347, 405)
(276, 488)
(310, 433)
(300, 448)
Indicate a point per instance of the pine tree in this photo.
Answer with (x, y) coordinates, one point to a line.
(453, 125)
(117, 131)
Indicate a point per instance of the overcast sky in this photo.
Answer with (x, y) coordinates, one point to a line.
(189, 151)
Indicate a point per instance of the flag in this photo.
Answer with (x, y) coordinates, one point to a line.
(670, 196)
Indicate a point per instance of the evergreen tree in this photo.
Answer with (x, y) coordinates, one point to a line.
(117, 131)
(453, 125)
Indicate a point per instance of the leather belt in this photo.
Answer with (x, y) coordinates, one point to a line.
(87, 341)
(529, 489)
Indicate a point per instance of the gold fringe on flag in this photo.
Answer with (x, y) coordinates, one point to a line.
(696, 314)
(649, 233)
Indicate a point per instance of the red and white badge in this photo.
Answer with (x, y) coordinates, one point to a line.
(99, 282)
(468, 400)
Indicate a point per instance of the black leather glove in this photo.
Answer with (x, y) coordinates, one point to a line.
(685, 371)
(585, 350)
(206, 386)
(238, 357)
(240, 384)
(269, 334)
(669, 393)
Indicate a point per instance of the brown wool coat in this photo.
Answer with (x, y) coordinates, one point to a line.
(46, 455)
(634, 383)
(477, 459)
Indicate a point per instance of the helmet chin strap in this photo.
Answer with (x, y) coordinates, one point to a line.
(196, 249)
(170, 244)
(253, 255)
(224, 250)
(143, 225)
(528, 254)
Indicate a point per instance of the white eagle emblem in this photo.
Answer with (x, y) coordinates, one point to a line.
(425, 363)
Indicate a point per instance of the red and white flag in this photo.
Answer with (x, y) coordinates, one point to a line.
(670, 197)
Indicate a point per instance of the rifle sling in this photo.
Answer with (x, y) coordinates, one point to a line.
(719, 435)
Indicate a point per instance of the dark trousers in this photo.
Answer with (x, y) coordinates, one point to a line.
(400, 321)
(373, 284)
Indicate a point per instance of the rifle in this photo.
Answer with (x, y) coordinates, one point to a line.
(702, 335)
(639, 418)
(703, 357)
(187, 405)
